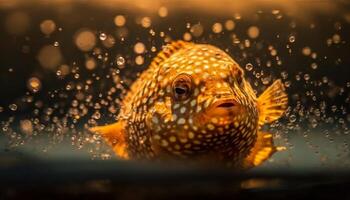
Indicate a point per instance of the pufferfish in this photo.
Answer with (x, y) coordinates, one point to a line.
(193, 104)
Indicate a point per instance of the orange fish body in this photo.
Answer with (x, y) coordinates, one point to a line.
(193, 104)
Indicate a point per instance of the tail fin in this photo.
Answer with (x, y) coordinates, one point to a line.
(114, 135)
(272, 103)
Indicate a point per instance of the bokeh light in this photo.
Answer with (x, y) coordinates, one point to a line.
(48, 27)
(119, 20)
(50, 57)
(85, 40)
(17, 23)
(253, 32)
(34, 84)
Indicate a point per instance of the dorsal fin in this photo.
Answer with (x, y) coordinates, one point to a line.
(167, 51)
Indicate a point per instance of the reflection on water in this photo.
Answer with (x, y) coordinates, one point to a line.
(65, 66)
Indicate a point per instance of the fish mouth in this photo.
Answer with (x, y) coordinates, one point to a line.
(227, 105)
(223, 108)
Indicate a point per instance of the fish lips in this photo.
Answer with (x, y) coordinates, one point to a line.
(224, 110)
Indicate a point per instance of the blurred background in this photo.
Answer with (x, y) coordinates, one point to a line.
(65, 64)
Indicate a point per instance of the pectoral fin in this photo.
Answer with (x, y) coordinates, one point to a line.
(272, 103)
(262, 150)
(114, 135)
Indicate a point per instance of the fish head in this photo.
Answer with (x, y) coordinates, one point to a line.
(207, 97)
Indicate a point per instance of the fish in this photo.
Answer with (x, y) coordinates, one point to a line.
(194, 104)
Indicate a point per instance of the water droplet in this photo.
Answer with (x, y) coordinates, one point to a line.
(273, 52)
(292, 118)
(325, 79)
(249, 66)
(313, 65)
(284, 74)
(34, 84)
(306, 77)
(96, 115)
(336, 39)
(68, 87)
(266, 80)
(103, 36)
(334, 108)
(153, 49)
(288, 83)
(275, 12)
(120, 61)
(13, 107)
(292, 38)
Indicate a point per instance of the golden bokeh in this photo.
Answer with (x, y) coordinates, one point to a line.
(217, 27)
(34, 84)
(50, 57)
(109, 41)
(85, 40)
(306, 51)
(119, 20)
(64, 70)
(163, 11)
(139, 60)
(47, 26)
(17, 23)
(197, 30)
(139, 48)
(230, 25)
(187, 36)
(146, 22)
(26, 126)
(90, 63)
(253, 32)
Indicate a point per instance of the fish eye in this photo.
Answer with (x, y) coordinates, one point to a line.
(182, 87)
